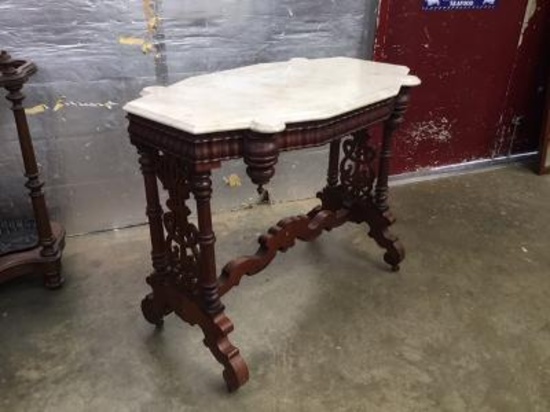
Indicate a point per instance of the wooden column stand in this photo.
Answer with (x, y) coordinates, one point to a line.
(43, 255)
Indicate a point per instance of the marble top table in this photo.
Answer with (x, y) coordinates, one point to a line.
(184, 131)
(266, 97)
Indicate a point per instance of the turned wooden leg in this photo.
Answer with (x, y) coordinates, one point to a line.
(333, 164)
(153, 308)
(184, 279)
(391, 125)
(379, 225)
(357, 176)
(215, 325)
(330, 196)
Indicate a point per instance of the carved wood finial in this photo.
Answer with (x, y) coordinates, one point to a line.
(261, 153)
(14, 72)
(6, 64)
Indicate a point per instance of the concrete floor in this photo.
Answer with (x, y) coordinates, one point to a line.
(465, 326)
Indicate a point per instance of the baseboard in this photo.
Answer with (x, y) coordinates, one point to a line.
(474, 166)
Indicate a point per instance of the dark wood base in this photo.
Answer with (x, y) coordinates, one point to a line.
(169, 296)
(166, 298)
(284, 234)
(31, 262)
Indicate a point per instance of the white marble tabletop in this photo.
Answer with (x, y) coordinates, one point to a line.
(267, 97)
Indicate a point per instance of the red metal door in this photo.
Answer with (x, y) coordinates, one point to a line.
(482, 72)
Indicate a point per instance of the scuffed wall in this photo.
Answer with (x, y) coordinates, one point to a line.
(93, 56)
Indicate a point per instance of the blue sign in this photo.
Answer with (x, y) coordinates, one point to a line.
(459, 4)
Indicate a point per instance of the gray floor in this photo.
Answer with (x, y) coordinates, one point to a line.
(465, 326)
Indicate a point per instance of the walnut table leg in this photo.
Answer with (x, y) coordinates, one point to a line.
(215, 325)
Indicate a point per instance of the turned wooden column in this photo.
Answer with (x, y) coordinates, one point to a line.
(153, 308)
(201, 186)
(333, 163)
(392, 124)
(34, 184)
(147, 160)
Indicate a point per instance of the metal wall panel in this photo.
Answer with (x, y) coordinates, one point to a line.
(93, 56)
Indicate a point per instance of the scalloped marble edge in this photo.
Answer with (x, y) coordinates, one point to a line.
(262, 124)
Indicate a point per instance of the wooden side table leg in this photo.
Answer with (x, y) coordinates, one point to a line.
(333, 164)
(153, 307)
(331, 196)
(184, 279)
(367, 199)
(391, 125)
(379, 226)
(215, 325)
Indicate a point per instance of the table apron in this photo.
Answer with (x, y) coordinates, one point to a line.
(214, 148)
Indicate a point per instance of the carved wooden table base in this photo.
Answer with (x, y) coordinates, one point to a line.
(184, 280)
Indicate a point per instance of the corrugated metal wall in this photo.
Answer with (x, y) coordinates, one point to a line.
(93, 56)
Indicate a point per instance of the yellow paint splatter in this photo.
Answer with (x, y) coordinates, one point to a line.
(39, 108)
(59, 104)
(147, 47)
(232, 180)
(130, 41)
(153, 22)
(151, 16)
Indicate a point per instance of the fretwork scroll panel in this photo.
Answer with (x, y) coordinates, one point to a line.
(181, 235)
(351, 186)
(352, 172)
(357, 172)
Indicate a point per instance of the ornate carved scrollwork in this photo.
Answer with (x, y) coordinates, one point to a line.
(181, 235)
(357, 172)
(280, 238)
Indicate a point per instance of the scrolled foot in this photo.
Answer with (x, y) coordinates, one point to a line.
(153, 311)
(395, 252)
(235, 371)
(216, 328)
(379, 223)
